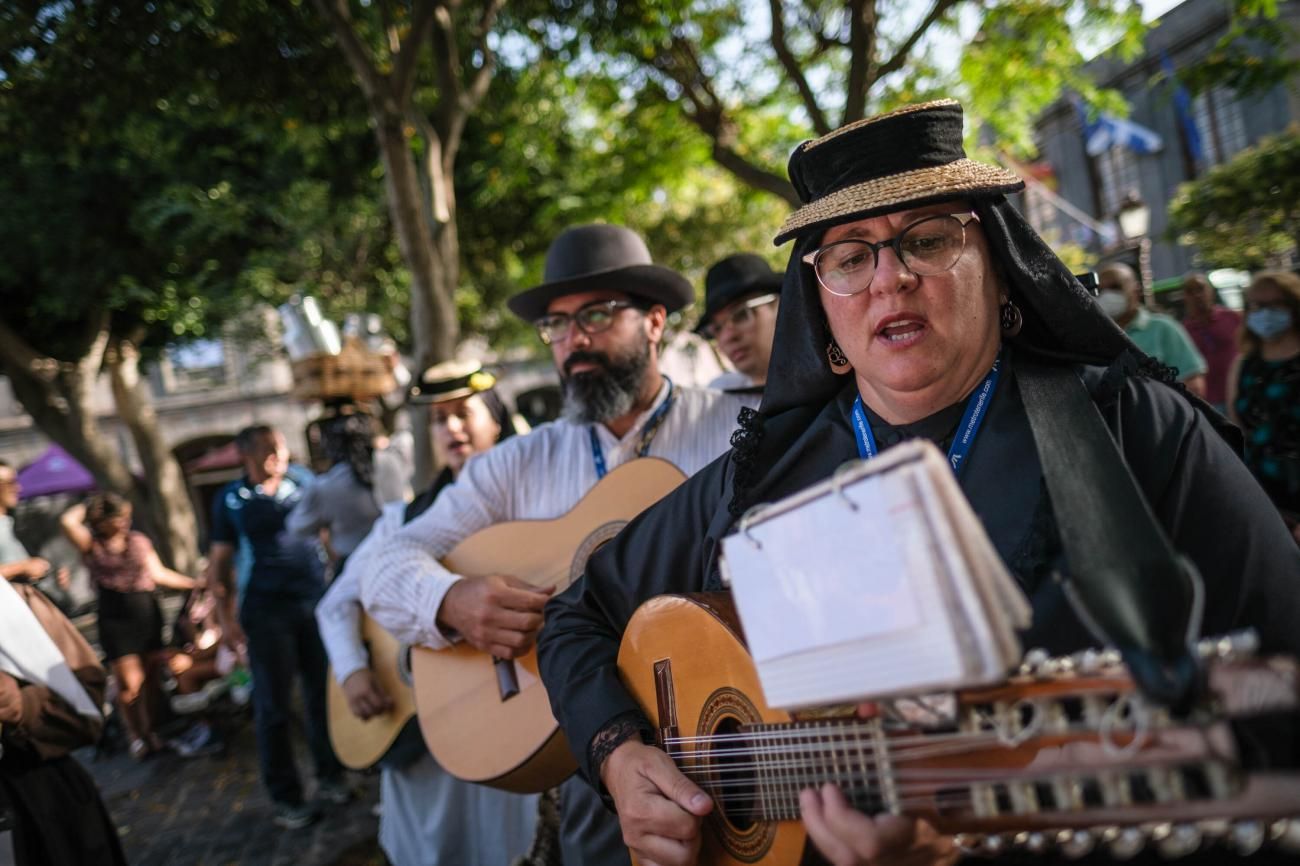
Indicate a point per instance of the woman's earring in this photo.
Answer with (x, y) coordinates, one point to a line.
(838, 360)
(1012, 321)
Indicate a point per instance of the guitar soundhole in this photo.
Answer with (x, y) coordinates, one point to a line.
(740, 798)
(739, 822)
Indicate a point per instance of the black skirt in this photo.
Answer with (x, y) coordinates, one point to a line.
(130, 623)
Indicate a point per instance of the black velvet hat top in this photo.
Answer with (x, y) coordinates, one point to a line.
(906, 158)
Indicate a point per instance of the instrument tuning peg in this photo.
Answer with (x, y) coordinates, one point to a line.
(1286, 834)
(1088, 661)
(968, 843)
(1033, 662)
(1183, 839)
(1075, 844)
(1124, 843)
(1111, 658)
(1034, 843)
(1246, 837)
(994, 845)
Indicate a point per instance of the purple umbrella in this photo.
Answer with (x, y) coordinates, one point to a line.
(54, 472)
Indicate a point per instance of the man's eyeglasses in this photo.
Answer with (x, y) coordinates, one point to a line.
(591, 319)
(928, 246)
(742, 316)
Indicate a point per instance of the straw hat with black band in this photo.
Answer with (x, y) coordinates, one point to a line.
(450, 380)
(735, 277)
(602, 257)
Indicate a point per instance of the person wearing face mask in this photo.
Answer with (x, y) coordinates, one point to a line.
(1158, 335)
(1264, 389)
(1213, 328)
(427, 817)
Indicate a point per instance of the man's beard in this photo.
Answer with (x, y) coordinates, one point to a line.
(603, 394)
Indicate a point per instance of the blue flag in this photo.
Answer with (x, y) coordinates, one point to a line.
(1108, 131)
(1183, 110)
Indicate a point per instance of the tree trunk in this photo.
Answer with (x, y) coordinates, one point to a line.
(166, 498)
(57, 394)
(433, 256)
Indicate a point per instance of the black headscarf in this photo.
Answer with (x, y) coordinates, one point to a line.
(1062, 321)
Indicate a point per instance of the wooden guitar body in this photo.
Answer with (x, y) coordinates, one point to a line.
(475, 729)
(360, 744)
(654, 660)
(1064, 756)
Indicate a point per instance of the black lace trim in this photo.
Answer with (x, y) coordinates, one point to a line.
(620, 729)
(744, 457)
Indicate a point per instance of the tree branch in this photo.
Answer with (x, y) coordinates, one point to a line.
(386, 20)
(862, 58)
(482, 77)
(446, 65)
(794, 70)
(407, 56)
(900, 57)
(373, 84)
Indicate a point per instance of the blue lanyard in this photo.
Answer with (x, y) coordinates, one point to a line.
(647, 433)
(976, 408)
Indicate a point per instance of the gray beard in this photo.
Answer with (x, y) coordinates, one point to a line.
(600, 396)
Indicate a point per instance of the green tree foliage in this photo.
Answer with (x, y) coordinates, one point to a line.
(1244, 213)
(754, 88)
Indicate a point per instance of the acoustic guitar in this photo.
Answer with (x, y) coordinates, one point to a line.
(489, 720)
(1061, 758)
(360, 744)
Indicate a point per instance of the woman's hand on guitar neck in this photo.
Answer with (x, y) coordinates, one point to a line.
(659, 809)
(496, 614)
(846, 837)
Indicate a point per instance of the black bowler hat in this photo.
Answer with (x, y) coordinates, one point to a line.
(733, 278)
(906, 158)
(595, 257)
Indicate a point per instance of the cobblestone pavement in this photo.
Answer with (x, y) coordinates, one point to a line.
(213, 811)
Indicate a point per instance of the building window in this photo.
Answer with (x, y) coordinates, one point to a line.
(1219, 124)
(1117, 170)
(195, 366)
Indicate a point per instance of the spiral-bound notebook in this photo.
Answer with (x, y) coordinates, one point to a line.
(880, 581)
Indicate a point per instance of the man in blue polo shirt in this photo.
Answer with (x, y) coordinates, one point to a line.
(275, 579)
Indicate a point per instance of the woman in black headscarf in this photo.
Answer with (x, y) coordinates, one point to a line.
(911, 276)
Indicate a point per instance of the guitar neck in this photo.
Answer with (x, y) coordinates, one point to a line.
(974, 780)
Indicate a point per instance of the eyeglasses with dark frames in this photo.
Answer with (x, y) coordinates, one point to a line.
(740, 317)
(931, 245)
(590, 319)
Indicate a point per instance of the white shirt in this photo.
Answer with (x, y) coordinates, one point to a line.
(338, 613)
(539, 476)
(731, 379)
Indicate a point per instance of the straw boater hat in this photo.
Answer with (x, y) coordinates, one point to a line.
(450, 380)
(595, 257)
(733, 278)
(909, 157)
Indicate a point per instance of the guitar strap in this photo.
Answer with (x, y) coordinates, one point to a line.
(1125, 580)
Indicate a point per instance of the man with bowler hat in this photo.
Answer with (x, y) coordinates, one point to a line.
(602, 310)
(740, 302)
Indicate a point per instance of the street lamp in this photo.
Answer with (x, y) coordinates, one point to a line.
(1134, 217)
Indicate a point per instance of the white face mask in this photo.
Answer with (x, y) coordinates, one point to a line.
(1113, 303)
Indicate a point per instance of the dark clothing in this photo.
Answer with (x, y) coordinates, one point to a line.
(59, 818)
(130, 623)
(1268, 404)
(271, 561)
(43, 790)
(1199, 490)
(280, 578)
(283, 641)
